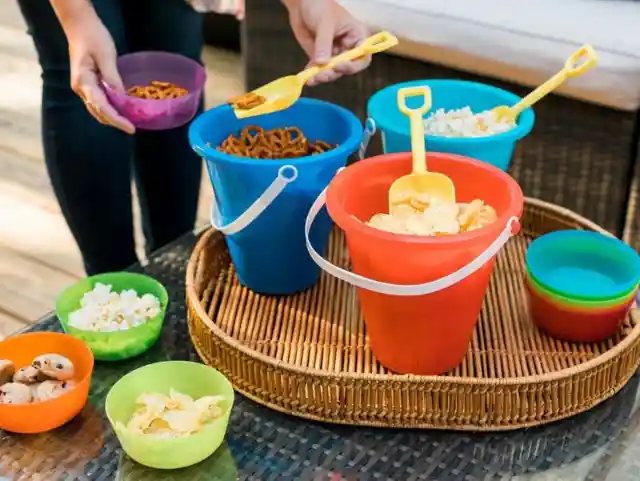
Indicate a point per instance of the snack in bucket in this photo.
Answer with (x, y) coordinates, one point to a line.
(280, 143)
(464, 123)
(496, 149)
(420, 295)
(265, 202)
(422, 217)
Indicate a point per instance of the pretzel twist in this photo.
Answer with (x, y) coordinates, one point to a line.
(283, 143)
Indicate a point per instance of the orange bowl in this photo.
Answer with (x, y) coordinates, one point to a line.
(46, 415)
(575, 324)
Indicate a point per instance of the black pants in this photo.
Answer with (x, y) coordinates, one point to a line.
(91, 165)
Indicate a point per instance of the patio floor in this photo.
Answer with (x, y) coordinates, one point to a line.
(38, 256)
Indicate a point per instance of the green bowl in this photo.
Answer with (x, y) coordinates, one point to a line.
(119, 345)
(578, 303)
(191, 378)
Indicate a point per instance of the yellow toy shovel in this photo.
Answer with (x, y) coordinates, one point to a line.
(571, 69)
(421, 185)
(283, 93)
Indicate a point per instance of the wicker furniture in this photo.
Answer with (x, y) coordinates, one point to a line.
(580, 155)
(262, 445)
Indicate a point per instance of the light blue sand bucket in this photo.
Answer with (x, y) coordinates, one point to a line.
(261, 205)
(394, 128)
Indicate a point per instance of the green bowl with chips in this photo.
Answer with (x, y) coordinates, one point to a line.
(116, 345)
(190, 378)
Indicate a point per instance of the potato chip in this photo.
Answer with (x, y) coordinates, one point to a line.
(183, 422)
(173, 416)
(423, 216)
(180, 401)
(208, 407)
(152, 403)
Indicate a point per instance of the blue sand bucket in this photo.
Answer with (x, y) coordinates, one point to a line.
(446, 94)
(261, 205)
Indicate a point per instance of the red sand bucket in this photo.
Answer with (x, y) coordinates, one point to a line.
(420, 296)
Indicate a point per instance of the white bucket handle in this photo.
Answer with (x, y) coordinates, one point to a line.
(404, 290)
(369, 131)
(286, 175)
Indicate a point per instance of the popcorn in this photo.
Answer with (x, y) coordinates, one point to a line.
(464, 123)
(103, 310)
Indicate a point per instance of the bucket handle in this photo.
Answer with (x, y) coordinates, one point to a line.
(512, 227)
(369, 131)
(286, 175)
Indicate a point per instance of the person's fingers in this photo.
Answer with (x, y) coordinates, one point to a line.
(355, 66)
(325, 33)
(354, 37)
(99, 107)
(95, 113)
(324, 77)
(109, 71)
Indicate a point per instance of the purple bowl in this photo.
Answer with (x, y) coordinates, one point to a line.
(142, 68)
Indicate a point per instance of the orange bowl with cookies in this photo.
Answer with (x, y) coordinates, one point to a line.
(44, 381)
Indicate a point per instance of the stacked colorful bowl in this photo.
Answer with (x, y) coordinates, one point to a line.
(581, 284)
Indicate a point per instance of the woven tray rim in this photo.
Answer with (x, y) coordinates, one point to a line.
(194, 304)
(452, 426)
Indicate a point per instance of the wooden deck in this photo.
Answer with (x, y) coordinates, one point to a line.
(38, 256)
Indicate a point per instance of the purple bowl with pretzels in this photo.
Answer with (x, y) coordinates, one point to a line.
(143, 68)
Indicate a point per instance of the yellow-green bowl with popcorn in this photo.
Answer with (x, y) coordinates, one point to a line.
(114, 345)
(188, 378)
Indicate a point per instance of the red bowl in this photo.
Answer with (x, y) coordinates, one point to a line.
(575, 324)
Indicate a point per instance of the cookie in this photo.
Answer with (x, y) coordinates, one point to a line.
(52, 389)
(15, 393)
(54, 366)
(29, 375)
(7, 369)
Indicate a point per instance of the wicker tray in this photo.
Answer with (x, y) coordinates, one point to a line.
(308, 355)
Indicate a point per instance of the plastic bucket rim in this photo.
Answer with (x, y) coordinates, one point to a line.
(524, 125)
(201, 78)
(623, 248)
(66, 338)
(349, 221)
(346, 148)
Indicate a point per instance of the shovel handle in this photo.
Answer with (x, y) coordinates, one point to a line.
(571, 69)
(417, 123)
(376, 43)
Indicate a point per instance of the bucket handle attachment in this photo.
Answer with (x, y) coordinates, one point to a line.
(512, 227)
(286, 175)
(369, 131)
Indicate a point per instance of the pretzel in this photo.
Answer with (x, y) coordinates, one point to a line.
(246, 101)
(157, 90)
(284, 143)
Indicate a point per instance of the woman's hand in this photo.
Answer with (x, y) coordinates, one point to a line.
(92, 55)
(324, 29)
